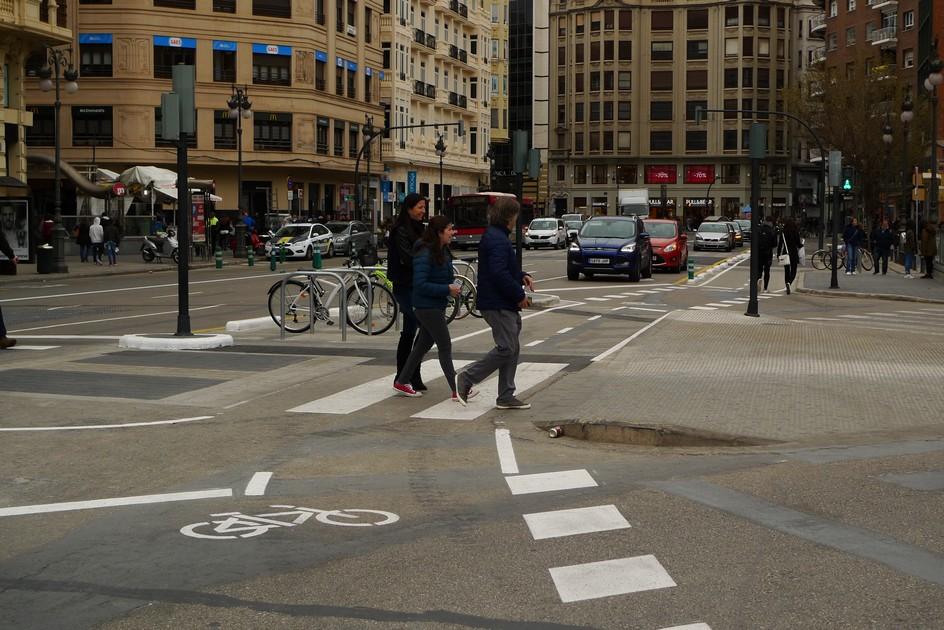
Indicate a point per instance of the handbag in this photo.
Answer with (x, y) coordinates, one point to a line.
(801, 253)
(784, 258)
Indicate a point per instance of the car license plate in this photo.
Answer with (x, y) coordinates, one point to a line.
(654, 257)
(599, 261)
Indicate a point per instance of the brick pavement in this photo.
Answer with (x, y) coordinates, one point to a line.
(894, 285)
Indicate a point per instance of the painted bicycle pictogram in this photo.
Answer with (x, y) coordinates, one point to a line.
(236, 525)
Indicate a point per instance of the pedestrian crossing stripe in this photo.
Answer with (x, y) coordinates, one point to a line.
(597, 299)
(26, 347)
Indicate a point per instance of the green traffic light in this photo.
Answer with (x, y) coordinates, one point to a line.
(847, 185)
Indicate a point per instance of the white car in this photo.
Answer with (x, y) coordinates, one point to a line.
(546, 233)
(300, 241)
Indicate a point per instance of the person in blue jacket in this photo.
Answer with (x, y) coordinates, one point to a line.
(852, 236)
(434, 281)
(500, 298)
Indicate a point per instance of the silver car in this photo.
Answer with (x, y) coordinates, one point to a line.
(346, 234)
(714, 235)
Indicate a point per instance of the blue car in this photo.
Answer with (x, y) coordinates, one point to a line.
(611, 245)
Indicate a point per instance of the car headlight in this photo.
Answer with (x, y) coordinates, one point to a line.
(574, 247)
(670, 248)
(628, 248)
(340, 239)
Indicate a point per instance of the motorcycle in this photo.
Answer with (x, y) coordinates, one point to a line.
(154, 249)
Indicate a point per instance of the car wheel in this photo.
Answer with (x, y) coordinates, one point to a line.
(572, 273)
(310, 254)
(648, 272)
(330, 252)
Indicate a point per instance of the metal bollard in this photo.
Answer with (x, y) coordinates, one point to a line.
(219, 258)
(316, 262)
(271, 260)
(282, 254)
(251, 258)
(691, 269)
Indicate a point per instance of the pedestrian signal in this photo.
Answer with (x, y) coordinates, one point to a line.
(848, 178)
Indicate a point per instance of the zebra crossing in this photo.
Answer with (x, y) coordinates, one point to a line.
(918, 319)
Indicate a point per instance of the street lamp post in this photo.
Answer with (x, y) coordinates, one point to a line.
(441, 152)
(490, 156)
(934, 79)
(887, 138)
(907, 115)
(239, 108)
(368, 136)
(49, 77)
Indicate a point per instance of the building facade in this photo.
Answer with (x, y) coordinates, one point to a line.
(311, 69)
(498, 61)
(625, 83)
(436, 71)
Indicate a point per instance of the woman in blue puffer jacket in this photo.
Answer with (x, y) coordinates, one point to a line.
(433, 283)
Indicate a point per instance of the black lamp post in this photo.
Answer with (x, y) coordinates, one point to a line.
(239, 108)
(441, 152)
(49, 77)
(368, 136)
(887, 138)
(907, 115)
(934, 79)
(490, 156)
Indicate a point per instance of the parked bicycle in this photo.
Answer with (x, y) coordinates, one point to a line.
(823, 258)
(464, 304)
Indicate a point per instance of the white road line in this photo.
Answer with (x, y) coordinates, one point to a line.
(822, 319)
(716, 305)
(853, 316)
(911, 312)
(609, 577)
(257, 485)
(643, 308)
(589, 287)
(599, 518)
(765, 297)
(647, 292)
(597, 299)
(57, 308)
(24, 347)
(564, 330)
(690, 626)
(109, 426)
(173, 295)
(623, 343)
(569, 304)
(614, 297)
(94, 337)
(116, 502)
(360, 396)
(550, 482)
(720, 273)
(731, 301)
(528, 375)
(549, 279)
(666, 289)
(632, 293)
(114, 319)
(595, 317)
(534, 343)
(617, 308)
(506, 452)
(702, 308)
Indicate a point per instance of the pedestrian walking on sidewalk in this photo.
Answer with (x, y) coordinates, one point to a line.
(928, 248)
(112, 236)
(407, 229)
(882, 246)
(434, 281)
(766, 241)
(6, 250)
(909, 248)
(83, 241)
(790, 244)
(97, 236)
(500, 298)
(852, 237)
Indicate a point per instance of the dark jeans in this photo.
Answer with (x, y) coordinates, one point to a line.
(881, 257)
(404, 297)
(765, 271)
(3, 328)
(97, 250)
(790, 271)
(929, 266)
(506, 327)
(433, 329)
(110, 250)
(84, 251)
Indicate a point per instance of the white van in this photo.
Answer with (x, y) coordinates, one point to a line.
(546, 231)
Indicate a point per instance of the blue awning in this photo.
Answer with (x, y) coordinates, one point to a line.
(272, 49)
(94, 38)
(352, 66)
(175, 42)
(222, 44)
(321, 56)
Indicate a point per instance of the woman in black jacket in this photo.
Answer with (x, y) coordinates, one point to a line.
(790, 244)
(406, 230)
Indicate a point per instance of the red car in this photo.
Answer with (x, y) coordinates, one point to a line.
(669, 244)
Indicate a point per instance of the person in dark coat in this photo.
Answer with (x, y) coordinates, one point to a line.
(852, 237)
(766, 241)
(909, 248)
(6, 342)
(790, 244)
(407, 229)
(112, 237)
(882, 246)
(500, 298)
(83, 240)
(928, 248)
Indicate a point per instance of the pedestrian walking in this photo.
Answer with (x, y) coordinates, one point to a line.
(852, 237)
(407, 229)
(928, 248)
(434, 281)
(882, 245)
(500, 298)
(909, 248)
(766, 241)
(97, 236)
(6, 250)
(83, 241)
(111, 236)
(789, 245)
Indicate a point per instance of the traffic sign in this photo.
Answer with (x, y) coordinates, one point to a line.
(118, 189)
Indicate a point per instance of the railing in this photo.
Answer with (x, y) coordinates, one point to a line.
(62, 13)
(818, 54)
(430, 91)
(817, 22)
(419, 36)
(883, 35)
(458, 7)
(463, 56)
(320, 19)
(457, 99)
(430, 41)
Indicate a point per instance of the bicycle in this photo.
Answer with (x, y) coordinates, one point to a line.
(465, 303)
(823, 259)
(236, 525)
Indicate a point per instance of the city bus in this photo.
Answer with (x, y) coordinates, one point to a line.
(468, 214)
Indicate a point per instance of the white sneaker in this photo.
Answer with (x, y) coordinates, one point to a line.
(909, 276)
(855, 273)
(848, 273)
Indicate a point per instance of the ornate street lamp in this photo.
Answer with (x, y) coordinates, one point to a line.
(907, 115)
(49, 77)
(887, 138)
(934, 79)
(368, 137)
(441, 152)
(239, 108)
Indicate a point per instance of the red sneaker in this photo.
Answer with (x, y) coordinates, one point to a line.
(406, 390)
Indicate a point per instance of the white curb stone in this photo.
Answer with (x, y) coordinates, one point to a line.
(171, 342)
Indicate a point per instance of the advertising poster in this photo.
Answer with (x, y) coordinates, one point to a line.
(14, 221)
(198, 219)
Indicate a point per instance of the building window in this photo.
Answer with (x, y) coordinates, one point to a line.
(578, 146)
(660, 110)
(272, 8)
(594, 140)
(166, 57)
(763, 47)
(561, 87)
(608, 110)
(660, 140)
(625, 80)
(224, 66)
(626, 19)
(271, 69)
(697, 49)
(748, 17)
(91, 126)
(747, 77)
(747, 46)
(595, 22)
(339, 16)
(624, 110)
(95, 60)
(272, 132)
(731, 16)
(625, 174)
(832, 41)
(320, 12)
(594, 51)
(624, 143)
(339, 81)
(580, 174)
(578, 83)
(691, 106)
(578, 24)
(661, 51)
(782, 19)
(321, 72)
(159, 141)
(731, 105)
(321, 140)
(731, 173)
(696, 140)
(176, 4)
(625, 51)
(608, 50)
(763, 15)
(781, 79)
(43, 131)
(850, 5)
(697, 79)
(730, 46)
(908, 58)
(608, 20)
(339, 138)
(763, 78)
(908, 20)
(224, 6)
(578, 53)
(661, 20)
(608, 81)
(368, 29)
(224, 130)
(730, 140)
(351, 83)
(850, 36)
(595, 111)
(697, 19)
(352, 132)
(833, 8)
(368, 92)
(660, 80)
(598, 174)
(594, 81)
(730, 78)
(351, 15)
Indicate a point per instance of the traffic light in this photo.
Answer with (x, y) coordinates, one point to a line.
(848, 178)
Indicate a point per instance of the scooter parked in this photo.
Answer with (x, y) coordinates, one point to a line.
(154, 249)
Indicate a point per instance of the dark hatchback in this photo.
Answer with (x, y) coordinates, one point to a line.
(611, 245)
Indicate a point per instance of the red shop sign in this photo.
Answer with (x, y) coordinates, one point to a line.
(702, 174)
(661, 174)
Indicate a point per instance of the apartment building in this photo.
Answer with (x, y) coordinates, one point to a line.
(311, 69)
(625, 82)
(436, 64)
(498, 60)
(25, 25)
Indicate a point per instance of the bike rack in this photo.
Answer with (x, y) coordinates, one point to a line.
(473, 274)
(340, 275)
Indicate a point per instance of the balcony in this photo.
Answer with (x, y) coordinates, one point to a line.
(457, 7)
(817, 25)
(817, 55)
(458, 54)
(430, 41)
(426, 90)
(884, 5)
(887, 37)
(457, 100)
(424, 39)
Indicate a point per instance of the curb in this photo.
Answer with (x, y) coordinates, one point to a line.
(872, 296)
(724, 263)
(541, 300)
(248, 325)
(50, 277)
(173, 343)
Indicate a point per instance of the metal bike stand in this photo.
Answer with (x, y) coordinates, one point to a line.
(342, 301)
(370, 294)
(472, 275)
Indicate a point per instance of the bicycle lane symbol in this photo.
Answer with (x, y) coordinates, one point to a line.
(236, 525)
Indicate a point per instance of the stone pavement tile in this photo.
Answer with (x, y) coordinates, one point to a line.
(764, 378)
(871, 285)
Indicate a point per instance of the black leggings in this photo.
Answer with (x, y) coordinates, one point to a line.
(765, 272)
(433, 329)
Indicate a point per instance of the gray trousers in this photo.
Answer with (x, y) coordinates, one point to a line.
(506, 327)
(433, 329)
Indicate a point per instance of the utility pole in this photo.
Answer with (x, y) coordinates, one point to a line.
(758, 151)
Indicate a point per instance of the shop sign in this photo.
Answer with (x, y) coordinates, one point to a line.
(664, 174)
(700, 174)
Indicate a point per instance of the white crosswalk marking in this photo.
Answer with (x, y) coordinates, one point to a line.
(632, 293)
(361, 396)
(597, 299)
(717, 305)
(703, 308)
(528, 375)
(648, 292)
(25, 347)
(534, 343)
(665, 289)
(615, 297)
(610, 577)
(564, 330)
(550, 482)
(642, 308)
(690, 626)
(599, 518)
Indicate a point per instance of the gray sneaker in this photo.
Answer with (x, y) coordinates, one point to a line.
(512, 403)
(463, 389)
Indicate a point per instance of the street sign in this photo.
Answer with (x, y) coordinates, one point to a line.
(288, 183)
(118, 189)
(411, 181)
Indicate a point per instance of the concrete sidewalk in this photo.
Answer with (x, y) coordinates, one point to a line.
(892, 286)
(765, 379)
(26, 273)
